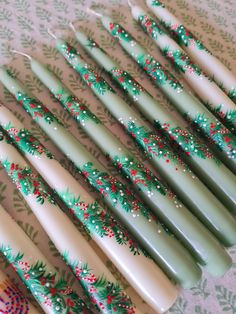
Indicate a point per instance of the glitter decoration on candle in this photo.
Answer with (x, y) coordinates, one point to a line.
(220, 179)
(198, 52)
(12, 299)
(204, 122)
(70, 244)
(205, 88)
(113, 239)
(52, 292)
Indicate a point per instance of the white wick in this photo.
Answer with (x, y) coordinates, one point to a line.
(71, 25)
(22, 54)
(51, 33)
(94, 12)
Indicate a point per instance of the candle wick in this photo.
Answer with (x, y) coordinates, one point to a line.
(94, 12)
(71, 25)
(51, 33)
(130, 3)
(22, 54)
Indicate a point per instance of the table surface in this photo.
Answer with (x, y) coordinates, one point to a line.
(23, 26)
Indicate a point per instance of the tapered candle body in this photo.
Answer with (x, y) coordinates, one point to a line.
(149, 186)
(213, 173)
(142, 133)
(188, 272)
(52, 292)
(221, 139)
(81, 258)
(199, 239)
(133, 213)
(109, 235)
(205, 88)
(12, 299)
(195, 48)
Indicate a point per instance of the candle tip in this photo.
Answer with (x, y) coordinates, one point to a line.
(94, 12)
(22, 54)
(51, 33)
(71, 25)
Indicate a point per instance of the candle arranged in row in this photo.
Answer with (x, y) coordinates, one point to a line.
(12, 299)
(220, 138)
(213, 173)
(92, 274)
(41, 278)
(177, 174)
(205, 88)
(113, 239)
(184, 271)
(196, 49)
(202, 239)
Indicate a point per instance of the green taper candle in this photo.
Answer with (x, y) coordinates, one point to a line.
(208, 168)
(203, 121)
(206, 89)
(185, 184)
(185, 272)
(150, 187)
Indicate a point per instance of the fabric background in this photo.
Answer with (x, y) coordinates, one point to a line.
(23, 26)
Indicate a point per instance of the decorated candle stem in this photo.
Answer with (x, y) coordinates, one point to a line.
(213, 173)
(116, 242)
(145, 226)
(52, 292)
(196, 49)
(203, 121)
(133, 213)
(147, 184)
(90, 271)
(206, 89)
(12, 299)
(205, 237)
(163, 158)
(186, 272)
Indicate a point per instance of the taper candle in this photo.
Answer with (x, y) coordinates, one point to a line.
(12, 299)
(196, 49)
(206, 89)
(203, 121)
(114, 240)
(41, 278)
(186, 185)
(186, 273)
(149, 187)
(213, 173)
(92, 274)
(141, 222)
(202, 240)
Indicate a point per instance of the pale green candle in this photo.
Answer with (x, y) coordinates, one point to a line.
(220, 139)
(205, 87)
(126, 163)
(212, 172)
(186, 185)
(196, 49)
(166, 250)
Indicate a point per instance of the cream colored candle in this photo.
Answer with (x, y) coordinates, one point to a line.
(206, 89)
(41, 278)
(109, 235)
(196, 49)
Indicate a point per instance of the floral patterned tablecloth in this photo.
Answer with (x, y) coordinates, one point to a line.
(23, 25)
